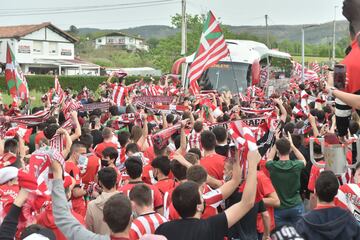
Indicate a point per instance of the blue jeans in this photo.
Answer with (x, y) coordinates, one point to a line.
(289, 215)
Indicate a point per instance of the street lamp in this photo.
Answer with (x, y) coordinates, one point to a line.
(303, 49)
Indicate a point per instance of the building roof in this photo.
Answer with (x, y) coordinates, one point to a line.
(121, 34)
(23, 30)
(67, 62)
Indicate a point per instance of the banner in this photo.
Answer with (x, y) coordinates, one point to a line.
(155, 99)
(104, 106)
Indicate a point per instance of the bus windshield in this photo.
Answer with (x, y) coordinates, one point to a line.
(221, 77)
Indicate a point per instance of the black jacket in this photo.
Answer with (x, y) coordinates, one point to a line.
(8, 227)
(329, 223)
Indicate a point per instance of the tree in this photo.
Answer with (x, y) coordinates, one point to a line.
(73, 30)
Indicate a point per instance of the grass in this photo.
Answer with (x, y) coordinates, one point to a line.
(34, 95)
(314, 59)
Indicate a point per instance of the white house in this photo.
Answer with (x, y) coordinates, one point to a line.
(42, 49)
(121, 40)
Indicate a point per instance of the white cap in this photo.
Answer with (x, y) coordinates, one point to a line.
(8, 173)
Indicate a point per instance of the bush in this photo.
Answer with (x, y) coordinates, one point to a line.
(42, 83)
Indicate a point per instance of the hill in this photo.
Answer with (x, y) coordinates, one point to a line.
(317, 34)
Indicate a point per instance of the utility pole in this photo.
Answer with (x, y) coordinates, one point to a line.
(183, 28)
(334, 39)
(302, 53)
(267, 31)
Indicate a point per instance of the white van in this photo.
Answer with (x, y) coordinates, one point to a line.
(241, 68)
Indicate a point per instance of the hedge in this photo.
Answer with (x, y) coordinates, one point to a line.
(42, 83)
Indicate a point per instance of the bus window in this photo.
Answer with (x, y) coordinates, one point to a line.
(221, 77)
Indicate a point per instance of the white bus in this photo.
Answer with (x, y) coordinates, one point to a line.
(242, 68)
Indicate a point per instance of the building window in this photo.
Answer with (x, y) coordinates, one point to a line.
(38, 47)
(99, 40)
(53, 48)
(110, 40)
(131, 40)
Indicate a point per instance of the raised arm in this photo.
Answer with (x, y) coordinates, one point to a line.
(77, 133)
(108, 81)
(142, 140)
(68, 141)
(183, 143)
(296, 151)
(283, 111)
(229, 187)
(64, 220)
(238, 210)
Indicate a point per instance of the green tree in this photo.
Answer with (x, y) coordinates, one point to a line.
(73, 30)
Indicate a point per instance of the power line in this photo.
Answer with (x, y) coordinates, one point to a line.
(89, 8)
(80, 7)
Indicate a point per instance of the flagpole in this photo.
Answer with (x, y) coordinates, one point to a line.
(235, 79)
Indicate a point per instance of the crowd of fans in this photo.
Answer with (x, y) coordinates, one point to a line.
(160, 163)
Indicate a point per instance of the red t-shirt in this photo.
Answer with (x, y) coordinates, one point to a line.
(158, 200)
(265, 187)
(212, 200)
(92, 168)
(147, 174)
(101, 147)
(46, 219)
(150, 154)
(353, 67)
(314, 174)
(39, 135)
(165, 185)
(8, 193)
(214, 165)
(78, 204)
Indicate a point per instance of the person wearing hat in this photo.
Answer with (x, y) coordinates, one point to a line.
(27, 183)
(9, 187)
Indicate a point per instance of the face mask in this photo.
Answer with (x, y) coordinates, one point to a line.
(134, 214)
(104, 163)
(82, 163)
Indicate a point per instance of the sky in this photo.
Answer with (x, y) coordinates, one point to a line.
(231, 12)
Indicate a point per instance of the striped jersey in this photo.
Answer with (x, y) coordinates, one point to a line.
(348, 197)
(118, 95)
(145, 224)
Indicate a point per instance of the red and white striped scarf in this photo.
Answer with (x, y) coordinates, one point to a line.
(245, 140)
(194, 140)
(70, 105)
(125, 119)
(57, 141)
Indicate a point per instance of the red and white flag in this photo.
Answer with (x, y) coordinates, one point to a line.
(212, 48)
(315, 67)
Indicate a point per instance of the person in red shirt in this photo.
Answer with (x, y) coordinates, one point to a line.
(212, 162)
(147, 220)
(93, 164)
(270, 199)
(314, 174)
(9, 188)
(124, 139)
(134, 167)
(161, 170)
(107, 135)
(78, 152)
(212, 198)
(120, 91)
(110, 155)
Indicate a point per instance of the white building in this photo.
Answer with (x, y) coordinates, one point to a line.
(42, 49)
(121, 40)
(140, 71)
